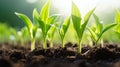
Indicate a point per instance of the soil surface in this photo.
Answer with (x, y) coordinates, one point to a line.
(16, 56)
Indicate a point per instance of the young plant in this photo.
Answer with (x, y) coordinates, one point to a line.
(77, 22)
(45, 22)
(117, 21)
(98, 30)
(23, 36)
(63, 30)
(51, 35)
(31, 28)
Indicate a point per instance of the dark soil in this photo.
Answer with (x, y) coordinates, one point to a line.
(16, 56)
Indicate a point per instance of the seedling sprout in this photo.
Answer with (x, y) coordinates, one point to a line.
(51, 35)
(63, 30)
(98, 30)
(31, 28)
(77, 23)
(45, 21)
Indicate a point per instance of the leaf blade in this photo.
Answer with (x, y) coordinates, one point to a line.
(34, 31)
(35, 16)
(86, 19)
(98, 24)
(76, 19)
(44, 14)
(66, 25)
(94, 36)
(50, 22)
(26, 20)
(105, 29)
(117, 18)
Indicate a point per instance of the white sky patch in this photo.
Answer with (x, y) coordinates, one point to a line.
(85, 5)
(31, 1)
(102, 6)
(64, 6)
(106, 6)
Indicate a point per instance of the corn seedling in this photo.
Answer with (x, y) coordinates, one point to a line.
(98, 30)
(22, 36)
(51, 35)
(77, 22)
(63, 29)
(45, 22)
(31, 28)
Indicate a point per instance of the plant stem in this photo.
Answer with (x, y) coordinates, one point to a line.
(96, 43)
(79, 46)
(32, 44)
(101, 42)
(51, 44)
(44, 44)
(63, 43)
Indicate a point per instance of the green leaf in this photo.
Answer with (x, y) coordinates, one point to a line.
(118, 28)
(34, 31)
(66, 25)
(118, 33)
(106, 29)
(76, 18)
(76, 12)
(26, 20)
(50, 21)
(51, 32)
(99, 25)
(94, 36)
(117, 18)
(42, 25)
(86, 19)
(44, 14)
(35, 16)
(61, 33)
(93, 27)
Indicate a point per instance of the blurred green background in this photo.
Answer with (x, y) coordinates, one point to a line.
(7, 9)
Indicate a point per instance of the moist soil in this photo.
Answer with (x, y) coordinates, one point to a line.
(16, 56)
